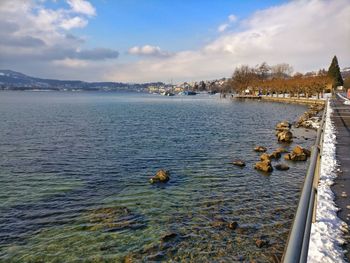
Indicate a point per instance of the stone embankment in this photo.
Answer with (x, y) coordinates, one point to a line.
(295, 100)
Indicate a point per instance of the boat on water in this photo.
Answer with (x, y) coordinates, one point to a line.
(167, 93)
(188, 93)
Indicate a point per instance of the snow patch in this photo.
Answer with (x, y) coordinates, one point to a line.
(327, 232)
(313, 123)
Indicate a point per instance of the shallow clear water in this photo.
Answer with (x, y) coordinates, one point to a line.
(74, 173)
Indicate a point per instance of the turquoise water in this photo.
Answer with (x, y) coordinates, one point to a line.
(74, 173)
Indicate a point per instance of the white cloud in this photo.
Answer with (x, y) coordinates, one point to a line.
(231, 20)
(33, 38)
(82, 6)
(75, 22)
(305, 34)
(223, 27)
(148, 50)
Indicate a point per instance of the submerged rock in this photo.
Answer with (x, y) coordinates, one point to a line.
(264, 166)
(168, 237)
(162, 176)
(275, 155)
(260, 242)
(282, 167)
(294, 157)
(113, 219)
(260, 149)
(232, 225)
(239, 163)
(282, 150)
(128, 259)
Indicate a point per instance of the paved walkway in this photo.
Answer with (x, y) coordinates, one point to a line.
(341, 188)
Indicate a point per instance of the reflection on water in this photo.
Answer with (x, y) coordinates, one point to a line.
(74, 173)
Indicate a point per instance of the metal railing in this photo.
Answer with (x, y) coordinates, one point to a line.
(299, 236)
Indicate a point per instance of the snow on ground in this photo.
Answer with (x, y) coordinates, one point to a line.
(327, 232)
(313, 123)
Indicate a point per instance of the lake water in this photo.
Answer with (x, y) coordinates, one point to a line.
(75, 169)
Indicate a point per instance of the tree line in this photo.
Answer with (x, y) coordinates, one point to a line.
(278, 79)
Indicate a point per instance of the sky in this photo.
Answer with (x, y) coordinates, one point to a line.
(170, 41)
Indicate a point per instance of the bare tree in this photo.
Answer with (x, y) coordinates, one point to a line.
(282, 70)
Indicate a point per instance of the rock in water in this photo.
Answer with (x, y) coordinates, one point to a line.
(284, 125)
(265, 157)
(264, 166)
(298, 154)
(282, 150)
(239, 163)
(260, 149)
(275, 155)
(282, 167)
(128, 259)
(261, 243)
(285, 136)
(294, 157)
(168, 237)
(162, 176)
(298, 150)
(232, 225)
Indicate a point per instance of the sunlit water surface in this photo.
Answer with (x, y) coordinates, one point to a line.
(74, 173)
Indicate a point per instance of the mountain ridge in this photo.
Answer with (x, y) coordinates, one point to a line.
(13, 80)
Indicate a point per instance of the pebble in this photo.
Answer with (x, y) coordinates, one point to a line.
(343, 194)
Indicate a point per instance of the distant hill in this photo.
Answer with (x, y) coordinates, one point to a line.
(12, 80)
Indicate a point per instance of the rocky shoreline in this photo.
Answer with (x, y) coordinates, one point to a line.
(309, 120)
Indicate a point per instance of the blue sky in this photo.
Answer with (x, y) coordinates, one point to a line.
(173, 25)
(155, 40)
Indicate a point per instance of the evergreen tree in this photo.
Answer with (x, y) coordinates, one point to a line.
(334, 73)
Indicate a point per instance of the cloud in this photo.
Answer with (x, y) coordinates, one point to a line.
(34, 37)
(148, 50)
(82, 6)
(223, 27)
(21, 41)
(231, 20)
(305, 34)
(75, 22)
(71, 63)
(96, 54)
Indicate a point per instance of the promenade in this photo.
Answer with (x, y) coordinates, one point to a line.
(341, 188)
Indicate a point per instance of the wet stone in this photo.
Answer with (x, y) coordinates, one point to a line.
(282, 167)
(239, 163)
(162, 176)
(232, 225)
(260, 149)
(261, 242)
(168, 237)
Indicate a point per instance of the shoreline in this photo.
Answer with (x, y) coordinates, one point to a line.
(295, 100)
